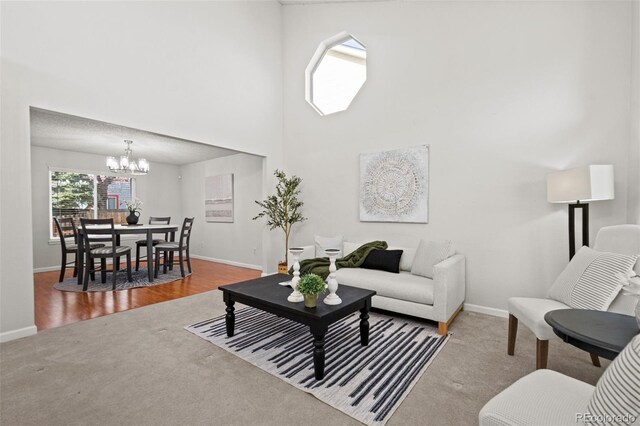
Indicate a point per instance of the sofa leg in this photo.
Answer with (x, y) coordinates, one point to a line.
(595, 360)
(513, 331)
(442, 328)
(542, 353)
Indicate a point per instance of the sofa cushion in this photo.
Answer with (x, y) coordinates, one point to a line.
(403, 286)
(592, 279)
(530, 311)
(406, 260)
(429, 254)
(323, 243)
(349, 247)
(383, 260)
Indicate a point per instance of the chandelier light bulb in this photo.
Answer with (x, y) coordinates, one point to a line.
(127, 164)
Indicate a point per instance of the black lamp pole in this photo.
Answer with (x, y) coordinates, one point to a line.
(572, 229)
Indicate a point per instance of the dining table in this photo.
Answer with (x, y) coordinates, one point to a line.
(120, 230)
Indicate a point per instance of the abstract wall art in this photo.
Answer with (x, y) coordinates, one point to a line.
(394, 185)
(218, 198)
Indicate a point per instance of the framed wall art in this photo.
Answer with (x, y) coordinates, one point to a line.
(394, 185)
(218, 198)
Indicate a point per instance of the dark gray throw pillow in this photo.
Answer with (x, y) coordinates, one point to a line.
(383, 260)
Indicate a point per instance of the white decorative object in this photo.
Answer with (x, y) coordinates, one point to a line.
(218, 198)
(295, 296)
(394, 185)
(332, 284)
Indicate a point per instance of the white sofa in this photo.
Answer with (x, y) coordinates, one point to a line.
(438, 299)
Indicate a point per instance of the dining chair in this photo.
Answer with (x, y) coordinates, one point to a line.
(143, 243)
(182, 246)
(103, 231)
(69, 244)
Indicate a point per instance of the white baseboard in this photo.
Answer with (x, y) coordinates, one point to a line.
(46, 269)
(227, 262)
(486, 310)
(17, 334)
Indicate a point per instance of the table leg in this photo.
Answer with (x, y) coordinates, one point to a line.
(173, 239)
(364, 323)
(318, 351)
(230, 318)
(80, 259)
(150, 255)
(116, 266)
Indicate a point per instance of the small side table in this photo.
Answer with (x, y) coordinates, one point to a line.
(600, 333)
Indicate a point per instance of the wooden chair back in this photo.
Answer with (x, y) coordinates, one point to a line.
(66, 229)
(185, 233)
(98, 231)
(161, 220)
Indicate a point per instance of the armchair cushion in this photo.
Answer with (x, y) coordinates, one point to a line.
(592, 279)
(624, 239)
(543, 397)
(530, 311)
(618, 390)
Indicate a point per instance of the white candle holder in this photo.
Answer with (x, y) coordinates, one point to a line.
(332, 284)
(295, 296)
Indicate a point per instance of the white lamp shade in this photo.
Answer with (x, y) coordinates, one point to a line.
(587, 183)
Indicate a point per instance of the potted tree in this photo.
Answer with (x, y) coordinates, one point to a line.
(282, 210)
(311, 285)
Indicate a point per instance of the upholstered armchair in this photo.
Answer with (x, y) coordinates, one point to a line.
(548, 398)
(622, 239)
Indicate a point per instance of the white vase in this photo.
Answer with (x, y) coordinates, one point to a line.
(332, 284)
(295, 295)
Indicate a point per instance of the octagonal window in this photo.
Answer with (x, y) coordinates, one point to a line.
(336, 73)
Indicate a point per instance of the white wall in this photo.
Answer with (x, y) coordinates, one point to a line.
(239, 242)
(503, 92)
(634, 145)
(209, 72)
(159, 191)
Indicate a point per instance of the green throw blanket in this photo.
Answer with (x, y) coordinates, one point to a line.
(320, 265)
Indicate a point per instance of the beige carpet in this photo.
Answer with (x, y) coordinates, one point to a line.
(142, 367)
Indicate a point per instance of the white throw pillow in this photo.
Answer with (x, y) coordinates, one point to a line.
(592, 279)
(323, 243)
(616, 393)
(349, 247)
(406, 261)
(429, 254)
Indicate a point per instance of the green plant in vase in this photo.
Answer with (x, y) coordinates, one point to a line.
(282, 210)
(311, 285)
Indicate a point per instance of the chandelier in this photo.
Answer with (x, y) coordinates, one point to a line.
(127, 164)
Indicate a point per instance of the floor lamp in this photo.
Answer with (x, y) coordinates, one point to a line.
(577, 187)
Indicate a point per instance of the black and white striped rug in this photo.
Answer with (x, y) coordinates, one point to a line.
(367, 383)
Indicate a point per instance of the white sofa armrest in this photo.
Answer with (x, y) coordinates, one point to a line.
(449, 287)
(308, 253)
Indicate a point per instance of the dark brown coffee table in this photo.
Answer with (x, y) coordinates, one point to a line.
(265, 294)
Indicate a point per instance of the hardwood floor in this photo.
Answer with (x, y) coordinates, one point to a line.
(54, 308)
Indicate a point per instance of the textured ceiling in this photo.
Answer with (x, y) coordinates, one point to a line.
(68, 132)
